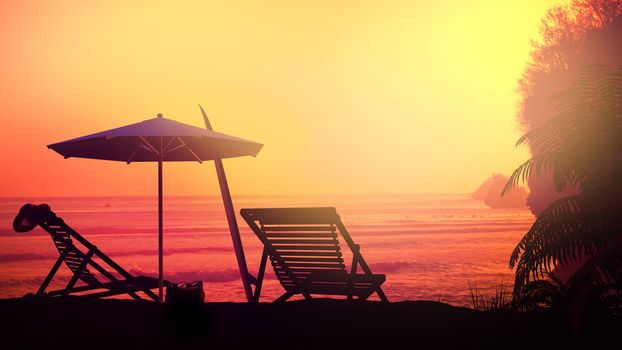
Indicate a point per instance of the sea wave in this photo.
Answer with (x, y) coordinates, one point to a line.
(355, 229)
(465, 230)
(107, 230)
(214, 276)
(25, 257)
(393, 266)
(11, 257)
(399, 266)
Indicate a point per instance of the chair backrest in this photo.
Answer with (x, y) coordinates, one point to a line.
(299, 241)
(61, 235)
(74, 257)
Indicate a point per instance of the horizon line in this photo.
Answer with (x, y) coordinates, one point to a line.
(244, 195)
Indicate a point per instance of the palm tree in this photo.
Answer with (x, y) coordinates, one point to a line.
(581, 146)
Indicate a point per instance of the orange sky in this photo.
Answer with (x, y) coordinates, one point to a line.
(347, 97)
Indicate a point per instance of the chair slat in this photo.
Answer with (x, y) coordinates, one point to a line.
(302, 235)
(304, 247)
(309, 253)
(309, 259)
(286, 216)
(327, 228)
(299, 269)
(278, 241)
(306, 264)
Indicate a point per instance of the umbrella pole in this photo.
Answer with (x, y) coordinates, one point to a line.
(160, 241)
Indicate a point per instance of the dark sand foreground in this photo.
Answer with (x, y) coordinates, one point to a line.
(320, 324)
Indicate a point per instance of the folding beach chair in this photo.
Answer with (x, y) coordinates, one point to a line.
(78, 262)
(304, 250)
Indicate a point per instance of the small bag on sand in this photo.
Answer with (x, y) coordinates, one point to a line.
(185, 293)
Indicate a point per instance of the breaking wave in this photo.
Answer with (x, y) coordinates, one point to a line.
(11, 257)
(220, 275)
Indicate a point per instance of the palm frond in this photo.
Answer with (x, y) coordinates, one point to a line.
(564, 232)
(521, 174)
(544, 292)
(584, 128)
(603, 267)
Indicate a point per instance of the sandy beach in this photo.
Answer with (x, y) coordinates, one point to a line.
(70, 323)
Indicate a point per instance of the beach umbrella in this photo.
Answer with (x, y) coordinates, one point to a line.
(165, 140)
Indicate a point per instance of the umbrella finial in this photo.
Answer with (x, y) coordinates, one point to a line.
(160, 115)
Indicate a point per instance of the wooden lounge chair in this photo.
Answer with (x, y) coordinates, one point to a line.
(79, 262)
(304, 250)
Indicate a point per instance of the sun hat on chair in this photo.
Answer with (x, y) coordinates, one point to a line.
(29, 216)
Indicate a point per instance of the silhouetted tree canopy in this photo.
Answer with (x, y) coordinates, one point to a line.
(580, 33)
(571, 111)
(581, 147)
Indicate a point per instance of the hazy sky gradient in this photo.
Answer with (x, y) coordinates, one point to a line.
(348, 97)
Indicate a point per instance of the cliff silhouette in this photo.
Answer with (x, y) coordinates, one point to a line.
(490, 193)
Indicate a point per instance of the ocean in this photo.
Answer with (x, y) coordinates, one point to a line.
(431, 247)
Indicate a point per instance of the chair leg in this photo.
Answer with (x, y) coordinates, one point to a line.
(260, 275)
(381, 295)
(50, 275)
(111, 278)
(149, 293)
(81, 268)
(284, 297)
(120, 270)
(353, 273)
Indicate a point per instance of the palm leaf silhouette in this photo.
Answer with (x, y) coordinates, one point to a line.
(581, 146)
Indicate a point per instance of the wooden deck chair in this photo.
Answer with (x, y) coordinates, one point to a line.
(304, 250)
(79, 262)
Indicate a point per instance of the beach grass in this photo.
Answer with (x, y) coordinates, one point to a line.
(500, 298)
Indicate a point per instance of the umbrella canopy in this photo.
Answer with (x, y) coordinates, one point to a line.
(165, 140)
(145, 141)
